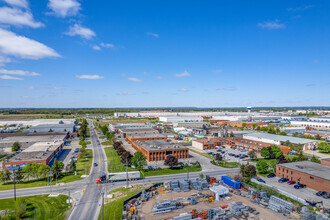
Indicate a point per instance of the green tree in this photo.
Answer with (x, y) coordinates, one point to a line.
(16, 146)
(171, 161)
(43, 169)
(283, 133)
(57, 167)
(19, 175)
(232, 134)
(318, 137)
(254, 126)
(294, 135)
(6, 175)
(139, 160)
(201, 175)
(276, 151)
(35, 168)
(264, 152)
(72, 166)
(262, 166)
(315, 159)
(27, 170)
(252, 154)
(273, 165)
(243, 124)
(324, 147)
(248, 170)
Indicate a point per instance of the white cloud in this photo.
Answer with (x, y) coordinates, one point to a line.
(18, 3)
(17, 17)
(107, 45)
(18, 72)
(184, 74)
(4, 60)
(81, 31)
(64, 8)
(134, 79)
(157, 77)
(89, 77)
(153, 34)
(104, 45)
(95, 47)
(23, 47)
(10, 77)
(270, 25)
(183, 90)
(123, 75)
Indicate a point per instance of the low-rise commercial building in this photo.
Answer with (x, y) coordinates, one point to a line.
(313, 175)
(307, 144)
(51, 128)
(40, 153)
(249, 145)
(325, 161)
(145, 137)
(139, 130)
(206, 144)
(317, 125)
(181, 119)
(157, 150)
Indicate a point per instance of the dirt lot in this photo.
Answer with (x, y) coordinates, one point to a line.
(146, 209)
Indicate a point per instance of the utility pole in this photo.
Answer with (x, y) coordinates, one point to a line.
(126, 174)
(14, 186)
(102, 205)
(69, 199)
(188, 170)
(35, 213)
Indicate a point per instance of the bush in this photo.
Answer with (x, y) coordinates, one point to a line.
(238, 178)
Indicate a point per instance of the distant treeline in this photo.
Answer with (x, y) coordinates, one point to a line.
(110, 111)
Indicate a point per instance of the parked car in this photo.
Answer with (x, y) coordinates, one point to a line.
(291, 182)
(95, 164)
(236, 155)
(282, 180)
(261, 180)
(218, 150)
(299, 186)
(241, 157)
(326, 195)
(320, 193)
(271, 175)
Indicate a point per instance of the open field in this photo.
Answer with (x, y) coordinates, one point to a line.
(81, 166)
(46, 207)
(32, 116)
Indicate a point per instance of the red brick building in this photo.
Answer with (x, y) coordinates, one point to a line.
(325, 161)
(157, 150)
(313, 175)
(235, 142)
(238, 124)
(145, 137)
(40, 153)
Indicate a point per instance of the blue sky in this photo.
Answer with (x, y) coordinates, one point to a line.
(70, 53)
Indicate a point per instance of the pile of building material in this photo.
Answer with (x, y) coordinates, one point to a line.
(279, 205)
(165, 206)
(184, 185)
(183, 216)
(175, 185)
(195, 184)
(238, 209)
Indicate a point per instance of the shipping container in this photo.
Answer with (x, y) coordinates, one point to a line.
(230, 182)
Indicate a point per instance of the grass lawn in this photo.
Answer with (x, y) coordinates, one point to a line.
(84, 142)
(226, 164)
(113, 209)
(102, 137)
(107, 143)
(202, 153)
(266, 174)
(326, 153)
(169, 171)
(6, 156)
(66, 177)
(46, 207)
(114, 161)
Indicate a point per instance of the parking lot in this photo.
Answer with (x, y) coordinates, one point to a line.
(305, 193)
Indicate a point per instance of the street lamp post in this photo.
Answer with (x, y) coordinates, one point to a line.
(14, 185)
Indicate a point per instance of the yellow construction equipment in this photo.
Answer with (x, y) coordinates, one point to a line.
(165, 191)
(133, 210)
(209, 199)
(161, 188)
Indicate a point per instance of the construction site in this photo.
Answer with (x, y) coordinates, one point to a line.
(204, 199)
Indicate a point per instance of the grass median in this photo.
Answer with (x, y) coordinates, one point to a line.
(45, 207)
(82, 166)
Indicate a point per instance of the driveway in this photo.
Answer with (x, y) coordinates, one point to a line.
(306, 193)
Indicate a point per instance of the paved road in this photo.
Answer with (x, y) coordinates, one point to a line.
(88, 206)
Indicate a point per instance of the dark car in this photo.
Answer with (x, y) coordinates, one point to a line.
(299, 186)
(320, 193)
(218, 150)
(291, 182)
(95, 164)
(282, 180)
(261, 180)
(271, 175)
(326, 195)
(241, 157)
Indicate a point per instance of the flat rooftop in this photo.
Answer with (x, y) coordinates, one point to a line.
(151, 135)
(38, 151)
(156, 145)
(30, 138)
(280, 138)
(310, 168)
(138, 129)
